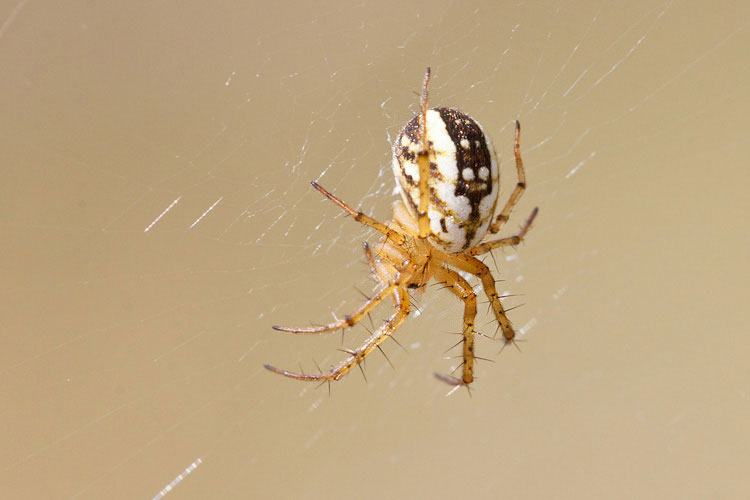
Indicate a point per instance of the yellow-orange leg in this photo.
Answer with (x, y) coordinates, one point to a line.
(423, 162)
(382, 271)
(350, 320)
(509, 241)
(479, 269)
(462, 289)
(371, 262)
(362, 218)
(356, 357)
(517, 191)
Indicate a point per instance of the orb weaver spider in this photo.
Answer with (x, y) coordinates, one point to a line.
(448, 175)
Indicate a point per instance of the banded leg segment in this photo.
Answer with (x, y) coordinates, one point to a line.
(349, 320)
(509, 241)
(382, 271)
(359, 355)
(398, 282)
(462, 289)
(362, 218)
(480, 270)
(517, 191)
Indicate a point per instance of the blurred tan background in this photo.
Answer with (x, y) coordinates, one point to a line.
(157, 219)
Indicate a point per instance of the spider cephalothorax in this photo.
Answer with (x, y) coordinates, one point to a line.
(447, 171)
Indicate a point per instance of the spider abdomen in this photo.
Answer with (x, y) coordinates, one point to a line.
(463, 183)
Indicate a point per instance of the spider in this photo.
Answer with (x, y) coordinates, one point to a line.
(447, 172)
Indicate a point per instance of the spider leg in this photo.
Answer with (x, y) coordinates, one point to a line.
(381, 271)
(462, 289)
(479, 269)
(357, 356)
(400, 280)
(423, 162)
(349, 320)
(517, 191)
(509, 241)
(371, 261)
(390, 234)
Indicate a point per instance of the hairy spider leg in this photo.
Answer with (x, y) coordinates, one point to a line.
(362, 218)
(371, 262)
(504, 215)
(357, 356)
(349, 320)
(509, 241)
(382, 271)
(462, 289)
(479, 269)
(423, 161)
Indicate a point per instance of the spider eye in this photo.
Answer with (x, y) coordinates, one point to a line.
(412, 285)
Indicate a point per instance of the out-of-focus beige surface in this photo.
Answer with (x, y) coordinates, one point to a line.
(157, 219)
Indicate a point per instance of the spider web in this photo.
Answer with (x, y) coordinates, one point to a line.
(160, 219)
